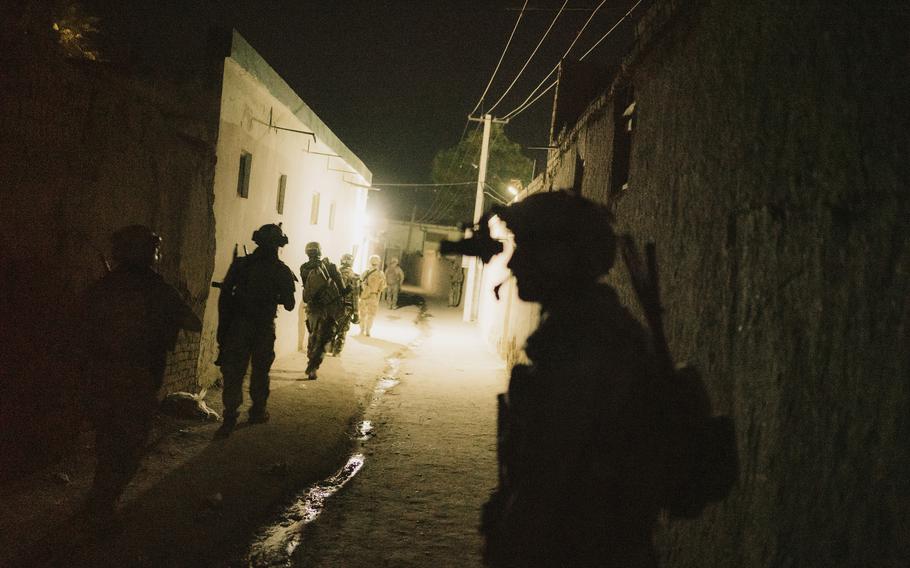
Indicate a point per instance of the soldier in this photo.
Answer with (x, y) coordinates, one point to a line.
(582, 465)
(394, 277)
(323, 290)
(350, 300)
(130, 319)
(456, 281)
(253, 289)
(373, 284)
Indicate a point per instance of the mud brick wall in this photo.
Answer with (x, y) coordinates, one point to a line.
(770, 165)
(90, 146)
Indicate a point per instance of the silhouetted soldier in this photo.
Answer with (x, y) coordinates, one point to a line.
(373, 284)
(394, 277)
(130, 319)
(253, 289)
(323, 289)
(456, 281)
(582, 456)
(349, 301)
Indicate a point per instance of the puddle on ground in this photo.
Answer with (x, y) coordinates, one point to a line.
(274, 545)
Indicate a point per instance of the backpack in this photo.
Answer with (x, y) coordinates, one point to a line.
(702, 464)
(319, 288)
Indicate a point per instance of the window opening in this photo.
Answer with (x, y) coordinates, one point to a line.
(282, 186)
(243, 177)
(314, 210)
(624, 122)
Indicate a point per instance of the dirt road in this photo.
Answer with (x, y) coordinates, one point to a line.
(429, 465)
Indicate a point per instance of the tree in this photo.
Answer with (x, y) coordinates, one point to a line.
(458, 164)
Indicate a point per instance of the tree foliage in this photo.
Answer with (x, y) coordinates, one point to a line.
(459, 164)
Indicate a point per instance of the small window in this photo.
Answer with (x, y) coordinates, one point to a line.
(282, 185)
(332, 216)
(243, 177)
(623, 130)
(314, 210)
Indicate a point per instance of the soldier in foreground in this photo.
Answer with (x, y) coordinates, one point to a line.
(589, 434)
(349, 301)
(373, 284)
(253, 289)
(323, 290)
(130, 319)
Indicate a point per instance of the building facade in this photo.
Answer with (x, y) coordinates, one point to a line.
(278, 163)
(762, 147)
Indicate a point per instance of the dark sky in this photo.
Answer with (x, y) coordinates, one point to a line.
(396, 79)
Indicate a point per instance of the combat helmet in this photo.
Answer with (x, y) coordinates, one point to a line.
(561, 218)
(270, 235)
(313, 249)
(375, 261)
(135, 245)
(347, 259)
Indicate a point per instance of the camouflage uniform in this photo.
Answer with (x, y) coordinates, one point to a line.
(130, 319)
(252, 290)
(373, 284)
(349, 300)
(322, 294)
(581, 454)
(394, 277)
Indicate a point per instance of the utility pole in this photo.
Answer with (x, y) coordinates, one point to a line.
(475, 268)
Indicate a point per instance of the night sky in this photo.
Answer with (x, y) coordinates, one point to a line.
(395, 80)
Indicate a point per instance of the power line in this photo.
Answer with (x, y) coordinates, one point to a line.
(521, 109)
(423, 184)
(501, 57)
(555, 67)
(616, 25)
(530, 57)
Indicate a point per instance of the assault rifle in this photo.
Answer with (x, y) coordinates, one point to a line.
(226, 307)
(703, 464)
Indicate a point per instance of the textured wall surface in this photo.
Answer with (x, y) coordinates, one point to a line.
(247, 102)
(90, 146)
(769, 164)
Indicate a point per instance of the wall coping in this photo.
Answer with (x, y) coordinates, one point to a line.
(249, 59)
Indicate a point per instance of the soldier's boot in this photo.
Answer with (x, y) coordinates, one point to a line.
(258, 415)
(227, 427)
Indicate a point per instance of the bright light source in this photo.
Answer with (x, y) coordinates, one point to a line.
(513, 190)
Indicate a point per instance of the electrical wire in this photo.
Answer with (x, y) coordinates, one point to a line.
(555, 67)
(616, 25)
(521, 109)
(424, 184)
(501, 57)
(530, 57)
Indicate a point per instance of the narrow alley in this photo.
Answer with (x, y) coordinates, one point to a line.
(429, 458)
(417, 400)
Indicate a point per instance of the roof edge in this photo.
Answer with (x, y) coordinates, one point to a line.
(249, 59)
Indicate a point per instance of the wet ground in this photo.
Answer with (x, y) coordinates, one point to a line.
(412, 491)
(196, 501)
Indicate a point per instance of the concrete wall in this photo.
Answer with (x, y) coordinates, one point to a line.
(252, 92)
(507, 321)
(88, 147)
(769, 164)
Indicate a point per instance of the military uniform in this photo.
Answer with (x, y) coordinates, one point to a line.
(252, 290)
(349, 300)
(322, 293)
(394, 277)
(373, 284)
(130, 319)
(582, 455)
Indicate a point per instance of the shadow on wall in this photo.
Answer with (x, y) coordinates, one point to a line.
(39, 405)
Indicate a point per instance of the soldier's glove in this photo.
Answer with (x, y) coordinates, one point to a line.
(355, 319)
